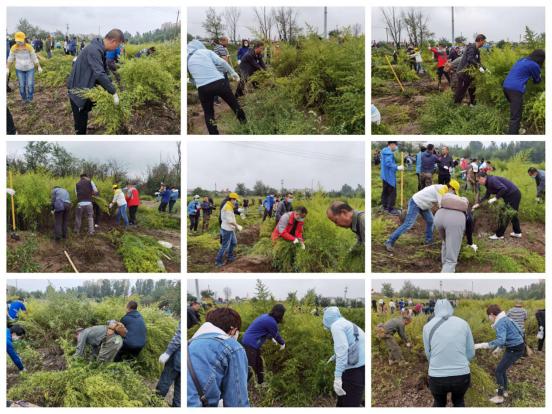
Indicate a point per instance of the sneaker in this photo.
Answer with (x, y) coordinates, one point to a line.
(495, 237)
(497, 399)
(522, 131)
(516, 235)
(388, 246)
(96, 225)
(505, 395)
(218, 265)
(393, 212)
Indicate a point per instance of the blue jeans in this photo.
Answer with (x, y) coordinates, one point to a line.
(410, 220)
(25, 78)
(170, 376)
(228, 244)
(511, 355)
(122, 212)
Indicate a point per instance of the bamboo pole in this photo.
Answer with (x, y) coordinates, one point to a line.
(12, 202)
(394, 73)
(70, 261)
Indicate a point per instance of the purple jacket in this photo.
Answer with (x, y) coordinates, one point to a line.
(263, 328)
(500, 187)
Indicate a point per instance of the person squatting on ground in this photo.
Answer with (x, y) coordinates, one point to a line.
(386, 331)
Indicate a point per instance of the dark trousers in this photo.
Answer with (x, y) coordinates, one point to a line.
(60, 225)
(80, 117)
(464, 85)
(388, 196)
(443, 178)
(353, 384)
(254, 361)
(97, 213)
(10, 125)
(194, 221)
(457, 386)
(132, 210)
(440, 73)
(267, 213)
(515, 99)
(513, 202)
(163, 206)
(169, 376)
(419, 181)
(207, 94)
(511, 355)
(541, 343)
(127, 352)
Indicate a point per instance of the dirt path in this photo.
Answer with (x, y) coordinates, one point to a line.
(196, 118)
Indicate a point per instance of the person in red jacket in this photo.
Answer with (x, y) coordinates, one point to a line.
(132, 197)
(290, 227)
(440, 54)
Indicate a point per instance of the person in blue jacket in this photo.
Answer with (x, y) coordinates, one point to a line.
(14, 333)
(349, 357)
(515, 83)
(165, 197)
(268, 205)
(243, 50)
(15, 307)
(419, 165)
(449, 348)
(217, 363)
(261, 329)
(508, 336)
(135, 339)
(388, 172)
(194, 209)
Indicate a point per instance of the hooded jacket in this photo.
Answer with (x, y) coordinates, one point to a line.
(428, 162)
(451, 348)
(263, 328)
(343, 337)
(205, 66)
(388, 167)
(136, 330)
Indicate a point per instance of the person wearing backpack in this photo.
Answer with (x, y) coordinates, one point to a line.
(348, 342)
(217, 363)
(449, 348)
(509, 337)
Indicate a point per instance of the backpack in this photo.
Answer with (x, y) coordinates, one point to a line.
(353, 354)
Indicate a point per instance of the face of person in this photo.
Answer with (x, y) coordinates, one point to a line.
(259, 50)
(482, 180)
(196, 306)
(246, 44)
(492, 318)
(445, 151)
(393, 147)
(224, 41)
(481, 43)
(111, 44)
(343, 219)
(533, 175)
(300, 217)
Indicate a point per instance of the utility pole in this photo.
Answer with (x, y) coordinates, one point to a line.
(386, 35)
(282, 186)
(345, 293)
(67, 29)
(325, 22)
(452, 14)
(197, 290)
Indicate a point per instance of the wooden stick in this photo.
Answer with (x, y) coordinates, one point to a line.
(70, 261)
(12, 202)
(394, 73)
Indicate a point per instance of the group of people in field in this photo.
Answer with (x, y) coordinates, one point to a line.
(453, 217)
(449, 345)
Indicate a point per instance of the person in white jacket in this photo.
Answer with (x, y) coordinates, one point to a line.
(119, 200)
(421, 204)
(228, 227)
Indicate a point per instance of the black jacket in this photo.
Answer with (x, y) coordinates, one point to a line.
(471, 57)
(251, 63)
(500, 187)
(89, 70)
(445, 161)
(193, 317)
(136, 330)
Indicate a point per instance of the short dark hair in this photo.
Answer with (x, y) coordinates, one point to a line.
(337, 207)
(133, 305)
(482, 174)
(392, 142)
(537, 56)
(18, 330)
(301, 210)
(277, 312)
(493, 309)
(532, 170)
(257, 44)
(195, 302)
(115, 34)
(84, 175)
(480, 37)
(224, 318)
(422, 148)
(430, 147)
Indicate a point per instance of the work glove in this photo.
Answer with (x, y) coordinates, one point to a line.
(236, 77)
(303, 245)
(239, 61)
(492, 200)
(52, 212)
(39, 69)
(164, 358)
(275, 341)
(496, 353)
(295, 241)
(110, 205)
(408, 344)
(400, 167)
(482, 345)
(10, 191)
(282, 347)
(540, 333)
(476, 205)
(474, 247)
(446, 168)
(332, 359)
(481, 69)
(116, 99)
(538, 199)
(338, 387)
(24, 370)
(240, 228)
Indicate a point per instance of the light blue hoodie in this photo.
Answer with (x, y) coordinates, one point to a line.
(343, 338)
(452, 345)
(205, 66)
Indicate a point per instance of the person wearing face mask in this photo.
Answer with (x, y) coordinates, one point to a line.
(25, 60)
(261, 329)
(290, 227)
(509, 337)
(243, 50)
(15, 333)
(388, 173)
(284, 207)
(540, 180)
(343, 215)
(217, 362)
(90, 69)
(421, 204)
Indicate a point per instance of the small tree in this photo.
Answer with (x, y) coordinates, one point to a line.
(227, 293)
(387, 290)
(213, 23)
(262, 292)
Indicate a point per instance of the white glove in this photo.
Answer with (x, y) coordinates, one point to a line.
(236, 77)
(400, 167)
(476, 205)
(239, 61)
(24, 370)
(338, 387)
(240, 228)
(474, 247)
(481, 69)
(540, 333)
(497, 352)
(332, 359)
(282, 347)
(164, 358)
(408, 344)
(295, 241)
(275, 341)
(39, 69)
(446, 168)
(538, 199)
(483, 345)
(303, 245)
(10, 191)
(110, 205)
(492, 200)
(116, 99)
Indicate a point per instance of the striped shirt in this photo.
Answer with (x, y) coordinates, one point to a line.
(221, 51)
(519, 316)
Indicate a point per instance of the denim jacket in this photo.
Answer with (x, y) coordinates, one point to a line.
(220, 364)
(508, 334)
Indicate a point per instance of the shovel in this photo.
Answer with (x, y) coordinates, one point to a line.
(13, 234)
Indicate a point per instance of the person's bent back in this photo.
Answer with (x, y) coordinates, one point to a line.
(217, 363)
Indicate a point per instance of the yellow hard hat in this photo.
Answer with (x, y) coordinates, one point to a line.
(115, 186)
(20, 37)
(234, 196)
(456, 185)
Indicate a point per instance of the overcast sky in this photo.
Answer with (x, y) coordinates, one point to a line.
(314, 16)
(496, 23)
(331, 164)
(41, 284)
(281, 287)
(134, 156)
(87, 20)
(481, 286)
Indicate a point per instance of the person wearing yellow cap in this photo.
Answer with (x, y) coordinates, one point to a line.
(421, 204)
(25, 60)
(228, 228)
(452, 221)
(120, 201)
